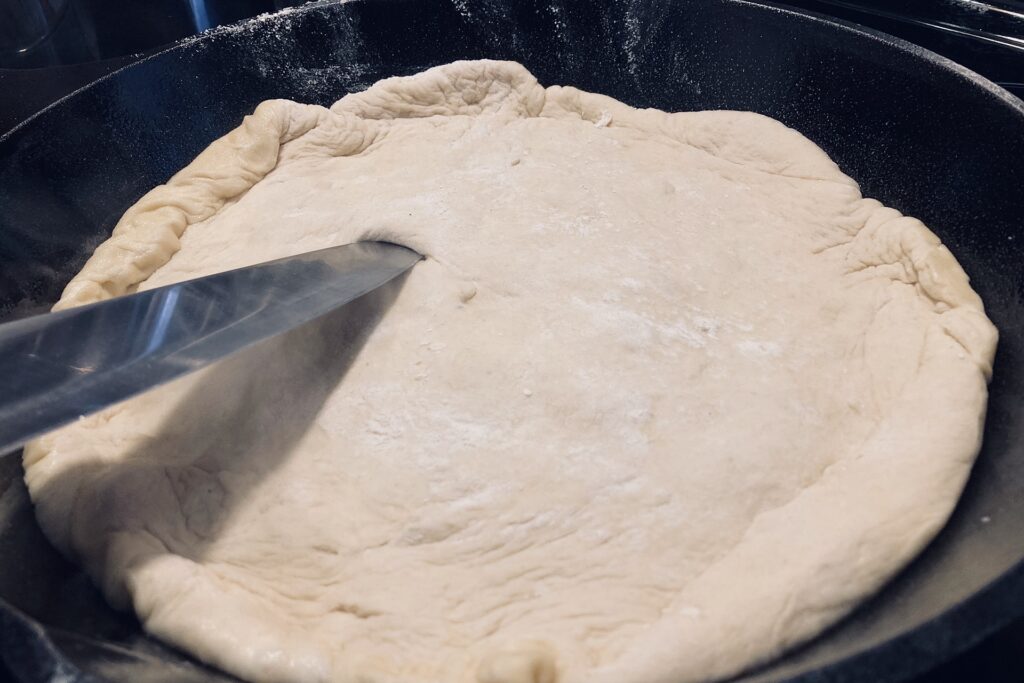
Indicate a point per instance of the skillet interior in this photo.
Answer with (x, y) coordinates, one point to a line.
(919, 134)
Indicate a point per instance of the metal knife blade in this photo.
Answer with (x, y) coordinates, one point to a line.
(57, 367)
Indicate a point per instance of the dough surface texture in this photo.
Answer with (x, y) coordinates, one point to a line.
(666, 397)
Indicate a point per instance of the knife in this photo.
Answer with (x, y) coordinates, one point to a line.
(58, 367)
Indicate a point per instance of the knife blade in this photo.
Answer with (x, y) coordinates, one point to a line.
(58, 367)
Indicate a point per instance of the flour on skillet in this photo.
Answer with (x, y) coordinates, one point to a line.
(270, 35)
(666, 397)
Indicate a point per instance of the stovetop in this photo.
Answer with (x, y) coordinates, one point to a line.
(91, 38)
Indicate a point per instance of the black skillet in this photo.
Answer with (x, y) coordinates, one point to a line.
(918, 132)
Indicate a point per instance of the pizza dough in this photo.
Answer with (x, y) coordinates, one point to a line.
(666, 397)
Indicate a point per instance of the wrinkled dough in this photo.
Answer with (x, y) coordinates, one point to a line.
(666, 397)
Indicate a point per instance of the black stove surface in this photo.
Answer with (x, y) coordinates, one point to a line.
(986, 37)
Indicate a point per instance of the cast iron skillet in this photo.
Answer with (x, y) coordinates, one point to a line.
(918, 132)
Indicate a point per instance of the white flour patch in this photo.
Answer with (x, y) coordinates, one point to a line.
(759, 348)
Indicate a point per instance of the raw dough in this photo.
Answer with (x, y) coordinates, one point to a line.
(666, 397)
